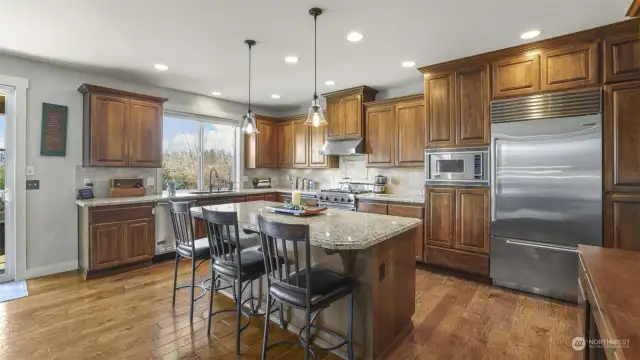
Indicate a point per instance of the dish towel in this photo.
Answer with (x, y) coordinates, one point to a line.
(13, 290)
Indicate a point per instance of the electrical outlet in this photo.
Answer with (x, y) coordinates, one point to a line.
(87, 182)
(30, 170)
(151, 182)
(33, 184)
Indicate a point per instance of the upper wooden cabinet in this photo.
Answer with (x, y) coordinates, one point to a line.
(457, 107)
(516, 76)
(121, 128)
(569, 67)
(317, 138)
(622, 57)
(345, 112)
(300, 143)
(261, 150)
(285, 144)
(394, 131)
(622, 137)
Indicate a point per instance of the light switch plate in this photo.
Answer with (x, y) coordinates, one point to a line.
(30, 170)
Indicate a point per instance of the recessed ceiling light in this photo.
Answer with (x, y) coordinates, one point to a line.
(330, 82)
(216, 93)
(408, 64)
(355, 36)
(161, 67)
(291, 59)
(275, 96)
(530, 34)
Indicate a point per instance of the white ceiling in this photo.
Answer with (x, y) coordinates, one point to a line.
(202, 40)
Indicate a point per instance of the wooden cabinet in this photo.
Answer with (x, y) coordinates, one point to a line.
(622, 57)
(622, 137)
(439, 108)
(317, 138)
(394, 131)
(110, 236)
(569, 67)
(261, 150)
(255, 198)
(270, 197)
(372, 207)
(622, 216)
(345, 112)
(121, 129)
(471, 121)
(413, 212)
(380, 137)
(300, 143)
(457, 228)
(516, 76)
(285, 144)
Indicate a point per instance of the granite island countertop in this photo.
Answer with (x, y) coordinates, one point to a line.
(333, 229)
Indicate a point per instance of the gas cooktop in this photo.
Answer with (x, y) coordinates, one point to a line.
(341, 191)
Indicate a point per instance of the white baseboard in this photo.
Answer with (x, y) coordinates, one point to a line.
(50, 269)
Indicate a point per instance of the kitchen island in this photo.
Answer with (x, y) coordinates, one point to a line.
(376, 250)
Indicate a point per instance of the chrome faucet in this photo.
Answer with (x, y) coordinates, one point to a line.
(211, 179)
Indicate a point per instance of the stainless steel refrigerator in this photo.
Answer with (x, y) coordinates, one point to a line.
(546, 189)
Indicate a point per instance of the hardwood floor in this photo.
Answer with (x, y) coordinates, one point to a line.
(129, 316)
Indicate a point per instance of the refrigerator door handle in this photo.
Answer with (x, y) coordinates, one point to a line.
(492, 177)
(543, 246)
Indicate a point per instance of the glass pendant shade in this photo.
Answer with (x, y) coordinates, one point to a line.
(249, 124)
(316, 116)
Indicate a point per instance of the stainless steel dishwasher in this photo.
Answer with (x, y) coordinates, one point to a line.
(165, 239)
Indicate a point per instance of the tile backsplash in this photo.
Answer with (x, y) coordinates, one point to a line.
(101, 177)
(401, 180)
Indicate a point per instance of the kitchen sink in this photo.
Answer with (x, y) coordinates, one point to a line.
(198, 192)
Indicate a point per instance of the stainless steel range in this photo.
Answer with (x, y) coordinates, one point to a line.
(339, 199)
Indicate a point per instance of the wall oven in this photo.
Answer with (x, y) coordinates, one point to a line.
(457, 166)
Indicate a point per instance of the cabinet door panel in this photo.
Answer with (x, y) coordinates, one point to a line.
(335, 117)
(317, 138)
(622, 58)
(271, 197)
(622, 137)
(569, 67)
(105, 247)
(516, 76)
(472, 106)
(285, 144)
(108, 131)
(374, 208)
(440, 214)
(472, 220)
(414, 212)
(255, 198)
(300, 144)
(440, 111)
(138, 240)
(622, 222)
(352, 123)
(380, 142)
(409, 134)
(145, 134)
(267, 154)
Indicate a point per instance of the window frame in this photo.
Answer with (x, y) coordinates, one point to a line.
(202, 121)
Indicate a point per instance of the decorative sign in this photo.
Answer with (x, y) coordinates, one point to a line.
(54, 130)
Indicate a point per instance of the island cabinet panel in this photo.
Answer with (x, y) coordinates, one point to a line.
(622, 219)
(622, 137)
(300, 143)
(516, 76)
(380, 142)
(472, 106)
(472, 220)
(409, 119)
(371, 207)
(413, 212)
(285, 144)
(440, 216)
(145, 134)
(569, 67)
(345, 112)
(106, 240)
(440, 110)
(138, 240)
(121, 129)
(622, 57)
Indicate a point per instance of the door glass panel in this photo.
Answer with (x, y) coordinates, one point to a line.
(217, 154)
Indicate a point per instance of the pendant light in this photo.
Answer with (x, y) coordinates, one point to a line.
(316, 117)
(249, 120)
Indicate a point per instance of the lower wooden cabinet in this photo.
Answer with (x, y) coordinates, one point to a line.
(137, 240)
(270, 197)
(622, 222)
(255, 198)
(457, 228)
(105, 243)
(370, 207)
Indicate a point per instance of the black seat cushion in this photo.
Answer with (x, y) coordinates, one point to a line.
(326, 287)
(252, 263)
(201, 248)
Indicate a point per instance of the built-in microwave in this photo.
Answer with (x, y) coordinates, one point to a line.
(464, 166)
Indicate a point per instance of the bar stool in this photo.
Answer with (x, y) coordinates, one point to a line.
(234, 265)
(187, 247)
(309, 289)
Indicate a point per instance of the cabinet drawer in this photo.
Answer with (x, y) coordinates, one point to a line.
(375, 208)
(477, 264)
(255, 198)
(270, 197)
(109, 214)
(406, 211)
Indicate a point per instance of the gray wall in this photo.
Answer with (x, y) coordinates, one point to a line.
(51, 213)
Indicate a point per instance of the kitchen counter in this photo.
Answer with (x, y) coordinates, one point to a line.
(400, 198)
(333, 229)
(377, 251)
(181, 195)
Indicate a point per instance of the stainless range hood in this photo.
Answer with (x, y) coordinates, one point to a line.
(343, 147)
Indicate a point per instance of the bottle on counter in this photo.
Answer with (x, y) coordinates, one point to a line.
(305, 184)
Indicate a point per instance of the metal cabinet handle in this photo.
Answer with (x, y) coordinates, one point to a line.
(543, 246)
